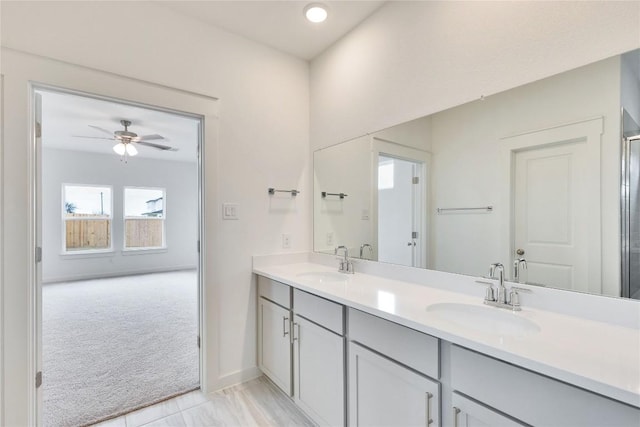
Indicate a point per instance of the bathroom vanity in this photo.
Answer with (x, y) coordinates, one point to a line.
(392, 345)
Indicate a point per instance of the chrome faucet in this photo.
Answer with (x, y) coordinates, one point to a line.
(365, 245)
(345, 265)
(519, 265)
(501, 297)
(500, 300)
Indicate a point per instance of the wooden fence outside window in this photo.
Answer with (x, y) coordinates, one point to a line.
(94, 233)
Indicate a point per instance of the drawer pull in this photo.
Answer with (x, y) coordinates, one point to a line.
(428, 409)
(284, 326)
(456, 411)
(296, 326)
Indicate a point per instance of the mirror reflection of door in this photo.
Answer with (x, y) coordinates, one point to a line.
(553, 200)
(631, 220)
(400, 215)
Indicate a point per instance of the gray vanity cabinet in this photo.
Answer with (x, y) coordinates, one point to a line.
(393, 372)
(468, 413)
(319, 367)
(531, 398)
(385, 393)
(274, 329)
(301, 348)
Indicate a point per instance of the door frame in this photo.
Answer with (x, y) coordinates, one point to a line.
(386, 148)
(36, 146)
(588, 131)
(22, 75)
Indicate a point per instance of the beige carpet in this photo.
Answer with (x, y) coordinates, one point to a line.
(113, 345)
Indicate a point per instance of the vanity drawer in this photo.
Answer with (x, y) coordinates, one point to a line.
(405, 345)
(274, 291)
(531, 397)
(319, 310)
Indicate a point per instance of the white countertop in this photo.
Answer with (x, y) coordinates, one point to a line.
(596, 356)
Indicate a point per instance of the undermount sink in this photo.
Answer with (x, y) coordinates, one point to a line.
(324, 276)
(491, 320)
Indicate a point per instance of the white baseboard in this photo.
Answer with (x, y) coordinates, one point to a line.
(109, 274)
(237, 377)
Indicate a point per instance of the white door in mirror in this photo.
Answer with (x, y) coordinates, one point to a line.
(554, 201)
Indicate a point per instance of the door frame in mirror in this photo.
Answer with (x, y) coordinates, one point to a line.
(590, 131)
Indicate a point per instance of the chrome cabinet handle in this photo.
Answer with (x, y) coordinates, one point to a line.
(456, 411)
(284, 326)
(428, 410)
(296, 326)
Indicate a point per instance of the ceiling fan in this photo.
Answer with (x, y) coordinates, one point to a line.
(126, 140)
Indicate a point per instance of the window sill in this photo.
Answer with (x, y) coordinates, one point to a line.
(88, 254)
(143, 251)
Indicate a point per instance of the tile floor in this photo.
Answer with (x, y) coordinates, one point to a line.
(254, 403)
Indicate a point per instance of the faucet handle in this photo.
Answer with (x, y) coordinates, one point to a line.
(514, 298)
(488, 296)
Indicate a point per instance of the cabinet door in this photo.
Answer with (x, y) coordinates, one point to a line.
(468, 413)
(385, 393)
(274, 343)
(319, 372)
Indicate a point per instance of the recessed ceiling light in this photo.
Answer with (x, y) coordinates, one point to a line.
(316, 12)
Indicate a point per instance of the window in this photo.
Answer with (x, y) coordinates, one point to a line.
(385, 174)
(144, 214)
(86, 213)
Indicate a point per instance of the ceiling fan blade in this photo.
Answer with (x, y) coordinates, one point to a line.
(101, 129)
(92, 137)
(148, 137)
(158, 146)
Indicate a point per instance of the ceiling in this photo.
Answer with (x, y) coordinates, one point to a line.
(66, 116)
(280, 24)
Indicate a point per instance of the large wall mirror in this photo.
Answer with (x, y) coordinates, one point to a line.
(542, 178)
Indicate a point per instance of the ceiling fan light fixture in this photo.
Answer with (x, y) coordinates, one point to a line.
(120, 149)
(130, 149)
(316, 12)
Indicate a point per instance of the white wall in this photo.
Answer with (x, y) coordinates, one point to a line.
(262, 142)
(180, 181)
(411, 59)
(414, 133)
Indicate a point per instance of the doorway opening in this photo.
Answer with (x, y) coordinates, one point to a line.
(118, 225)
(400, 221)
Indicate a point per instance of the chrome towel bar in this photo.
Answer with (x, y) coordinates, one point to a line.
(273, 191)
(325, 194)
(483, 208)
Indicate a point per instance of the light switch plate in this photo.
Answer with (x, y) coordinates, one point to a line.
(229, 211)
(286, 241)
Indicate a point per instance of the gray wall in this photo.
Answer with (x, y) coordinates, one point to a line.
(74, 167)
